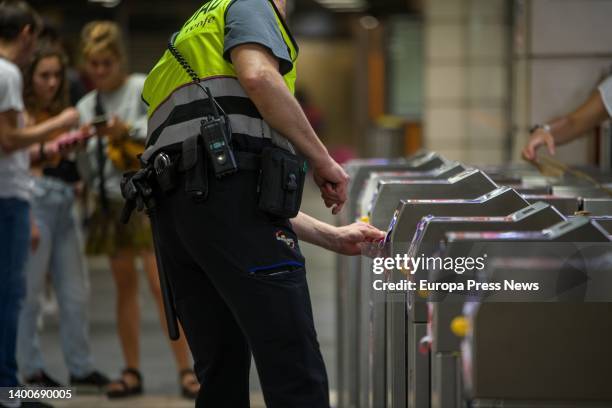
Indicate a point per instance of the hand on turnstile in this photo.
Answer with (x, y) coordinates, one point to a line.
(351, 238)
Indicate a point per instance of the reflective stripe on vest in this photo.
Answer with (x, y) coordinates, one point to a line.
(177, 105)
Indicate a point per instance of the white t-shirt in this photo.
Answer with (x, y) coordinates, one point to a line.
(15, 179)
(605, 89)
(125, 102)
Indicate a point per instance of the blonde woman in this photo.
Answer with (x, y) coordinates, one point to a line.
(115, 108)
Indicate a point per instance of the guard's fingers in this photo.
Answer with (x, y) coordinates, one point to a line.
(331, 198)
(372, 234)
(327, 193)
(337, 208)
(341, 191)
(328, 188)
(370, 226)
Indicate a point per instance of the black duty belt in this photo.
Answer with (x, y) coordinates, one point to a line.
(246, 161)
(162, 172)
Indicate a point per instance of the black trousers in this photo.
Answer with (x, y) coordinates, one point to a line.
(239, 283)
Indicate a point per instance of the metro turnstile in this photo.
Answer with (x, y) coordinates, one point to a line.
(560, 355)
(532, 190)
(371, 319)
(597, 206)
(468, 184)
(501, 201)
(346, 283)
(605, 221)
(570, 202)
(429, 232)
(569, 205)
(565, 205)
(364, 201)
(446, 381)
(579, 191)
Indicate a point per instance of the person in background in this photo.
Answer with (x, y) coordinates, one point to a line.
(76, 87)
(117, 106)
(19, 27)
(564, 129)
(60, 249)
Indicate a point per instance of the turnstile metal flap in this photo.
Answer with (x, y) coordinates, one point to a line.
(467, 185)
(368, 191)
(566, 205)
(501, 201)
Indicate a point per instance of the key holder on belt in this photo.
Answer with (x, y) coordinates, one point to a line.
(215, 128)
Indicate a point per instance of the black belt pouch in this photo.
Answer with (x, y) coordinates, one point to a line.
(281, 182)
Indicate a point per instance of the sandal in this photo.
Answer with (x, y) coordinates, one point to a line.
(187, 387)
(126, 390)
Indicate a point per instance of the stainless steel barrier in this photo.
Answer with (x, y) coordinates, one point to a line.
(371, 318)
(597, 206)
(347, 283)
(429, 232)
(479, 360)
(565, 205)
(421, 200)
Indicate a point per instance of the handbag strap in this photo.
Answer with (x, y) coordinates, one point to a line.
(101, 158)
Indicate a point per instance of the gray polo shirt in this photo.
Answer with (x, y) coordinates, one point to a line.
(15, 180)
(254, 21)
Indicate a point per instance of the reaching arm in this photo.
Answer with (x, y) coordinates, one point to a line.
(345, 240)
(566, 128)
(258, 73)
(13, 138)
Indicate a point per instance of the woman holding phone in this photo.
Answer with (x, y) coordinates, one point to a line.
(118, 114)
(59, 250)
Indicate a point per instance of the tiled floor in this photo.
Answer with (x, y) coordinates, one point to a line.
(161, 386)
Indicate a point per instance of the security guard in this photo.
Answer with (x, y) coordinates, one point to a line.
(223, 189)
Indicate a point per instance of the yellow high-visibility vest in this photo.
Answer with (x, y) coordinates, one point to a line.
(173, 97)
(200, 41)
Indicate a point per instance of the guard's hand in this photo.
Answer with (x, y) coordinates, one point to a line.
(539, 138)
(349, 239)
(332, 180)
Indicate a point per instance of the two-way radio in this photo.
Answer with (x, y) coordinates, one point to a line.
(215, 127)
(215, 130)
